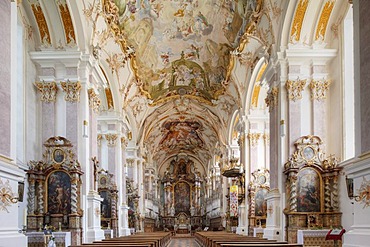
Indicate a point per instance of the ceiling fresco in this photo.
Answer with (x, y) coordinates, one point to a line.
(176, 71)
(182, 134)
(182, 47)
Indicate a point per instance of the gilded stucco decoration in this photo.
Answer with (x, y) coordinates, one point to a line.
(7, 197)
(181, 47)
(319, 88)
(266, 137)
(72, 90)
(324, 19)
(99, 138)
(253, 138)
(67, 23)
(48, 91)
(295, 33)
(111, 139)
(295, 88)
(94, 101)
(42, 24)
(272, 98)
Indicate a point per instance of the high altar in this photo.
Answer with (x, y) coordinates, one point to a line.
(182, 201)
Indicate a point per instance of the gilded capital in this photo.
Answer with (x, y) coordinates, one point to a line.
(253, 138)
(94, 101)
(111, 139)
(72, 90)
(319, 89)
(99, 137)
(130, 162)
(123, 142)
(241, 139)
(272, 98)
(295, 89)
(48, 91)
(266, 137)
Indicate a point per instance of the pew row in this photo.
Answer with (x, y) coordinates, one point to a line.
(156, 239)
(226, 239)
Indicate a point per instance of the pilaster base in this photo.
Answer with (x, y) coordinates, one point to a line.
(123, 221)
(12, 238)
(273, 228)
(94, 231)
(272, 233)
(356, 238)
(242, 230)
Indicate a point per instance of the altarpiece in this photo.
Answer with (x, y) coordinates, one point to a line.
(54, 190)
(311, 188)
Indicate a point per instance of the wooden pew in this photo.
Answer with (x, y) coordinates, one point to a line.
(224, 239)
(156, 239)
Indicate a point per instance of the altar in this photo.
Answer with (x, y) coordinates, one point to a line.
(182, 224)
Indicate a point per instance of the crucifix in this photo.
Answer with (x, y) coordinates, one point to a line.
(96, 166)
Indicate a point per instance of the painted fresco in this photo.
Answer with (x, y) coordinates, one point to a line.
(182, 197)
(308, 191)
(59, 193)
(181, 134)
(182, 46)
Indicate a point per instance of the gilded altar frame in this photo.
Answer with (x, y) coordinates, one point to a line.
(312, 188)
(54, 188)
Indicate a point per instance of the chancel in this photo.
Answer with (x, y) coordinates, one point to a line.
(184, 122)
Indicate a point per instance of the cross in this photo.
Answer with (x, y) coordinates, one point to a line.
(95, 163)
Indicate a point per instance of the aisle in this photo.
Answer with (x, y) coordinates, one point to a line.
(183, 242)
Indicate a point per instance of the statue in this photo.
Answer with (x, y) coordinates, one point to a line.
(192, 210)
(96, 166)
(172, 213)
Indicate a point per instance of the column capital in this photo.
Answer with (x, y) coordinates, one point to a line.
(253, 138)
(272, 98)
(48, 91)
(94, 101)
(111, 139)
(72, 90)
(99, 138)
(319, 89)
(124, 142)
(295, 88)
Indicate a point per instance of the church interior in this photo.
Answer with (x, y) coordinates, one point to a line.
(112, 126)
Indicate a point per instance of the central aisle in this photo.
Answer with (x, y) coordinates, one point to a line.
(183, 242)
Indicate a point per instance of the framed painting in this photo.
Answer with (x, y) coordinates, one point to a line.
(20, 191)
(59, 193)
(58, 155)
(309, 190)
(260, 202)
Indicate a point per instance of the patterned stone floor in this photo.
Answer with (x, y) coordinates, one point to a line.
(183, 242)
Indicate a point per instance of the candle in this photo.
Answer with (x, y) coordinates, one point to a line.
(25, 217)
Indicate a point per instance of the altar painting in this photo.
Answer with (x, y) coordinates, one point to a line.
(260, 202)
(59, 193)
(182, 197)
(308, 191)
(106, 204)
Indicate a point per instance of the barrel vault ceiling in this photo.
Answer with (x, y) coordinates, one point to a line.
(178, 70)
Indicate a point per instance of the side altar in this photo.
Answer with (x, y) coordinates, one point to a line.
(54, 189)
(312, 189)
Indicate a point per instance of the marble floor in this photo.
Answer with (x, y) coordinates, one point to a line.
(183, 242)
